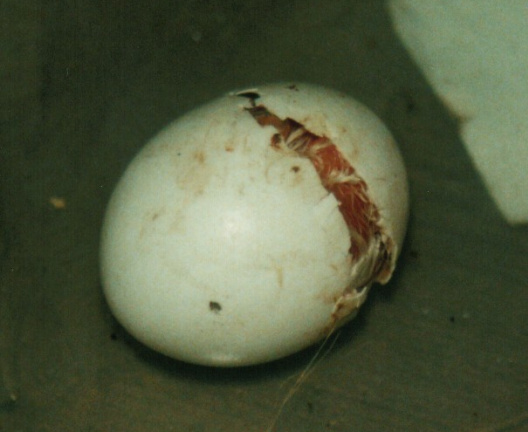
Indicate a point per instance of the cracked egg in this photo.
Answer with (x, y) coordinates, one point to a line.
(254, 226)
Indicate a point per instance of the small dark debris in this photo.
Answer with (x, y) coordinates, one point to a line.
(295, 169)
(452, 319)
(251, 95)
(408, 100)
(293, 87)
(310, 407)
(215, 307)
(410, 103)
(113, 336)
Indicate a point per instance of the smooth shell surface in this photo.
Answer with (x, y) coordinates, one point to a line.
(220, 248)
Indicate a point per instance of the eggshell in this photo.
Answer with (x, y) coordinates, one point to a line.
(219, 248)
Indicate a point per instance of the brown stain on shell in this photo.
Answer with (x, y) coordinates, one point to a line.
(199, 156)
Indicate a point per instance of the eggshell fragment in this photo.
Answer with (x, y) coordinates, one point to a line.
(254, 226)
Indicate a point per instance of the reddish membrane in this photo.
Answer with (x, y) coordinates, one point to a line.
(337, 176)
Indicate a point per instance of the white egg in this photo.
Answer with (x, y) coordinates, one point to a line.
(254, 226)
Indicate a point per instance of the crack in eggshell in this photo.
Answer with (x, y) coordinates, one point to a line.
(340, 179)
(371, 248)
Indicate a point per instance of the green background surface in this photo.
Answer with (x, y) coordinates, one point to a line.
(84, 83)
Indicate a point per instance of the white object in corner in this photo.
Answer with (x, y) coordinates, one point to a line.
(475, 55)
